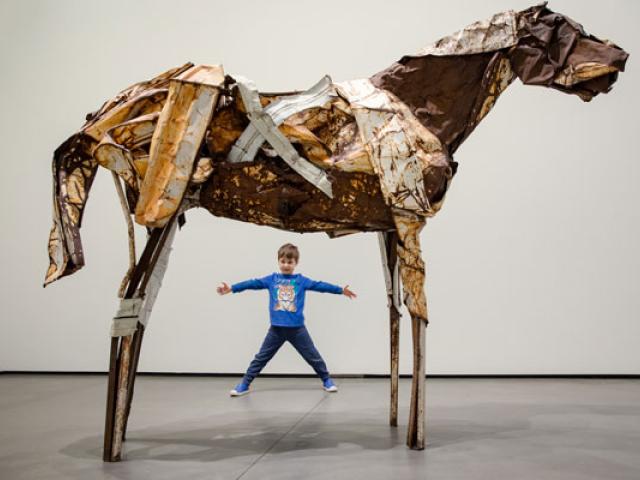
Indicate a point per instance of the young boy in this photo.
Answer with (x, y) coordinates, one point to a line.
(286, 302)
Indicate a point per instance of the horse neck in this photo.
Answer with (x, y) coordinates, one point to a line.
(449, 95)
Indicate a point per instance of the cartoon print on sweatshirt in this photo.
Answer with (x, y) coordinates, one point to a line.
(286, 298)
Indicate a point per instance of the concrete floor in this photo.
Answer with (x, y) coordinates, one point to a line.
(288, 428)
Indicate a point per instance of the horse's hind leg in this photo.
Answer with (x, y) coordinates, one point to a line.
(127, 331)
(413, 275)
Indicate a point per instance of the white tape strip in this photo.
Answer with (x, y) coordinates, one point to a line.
(266, 127)
(246, 147)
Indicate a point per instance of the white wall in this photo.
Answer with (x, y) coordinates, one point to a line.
(532, 264)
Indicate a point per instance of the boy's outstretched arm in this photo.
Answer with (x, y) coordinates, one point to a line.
(318, 286)
(348, 293)
(253, 284)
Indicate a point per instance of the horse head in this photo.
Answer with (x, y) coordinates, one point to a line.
(555, 51)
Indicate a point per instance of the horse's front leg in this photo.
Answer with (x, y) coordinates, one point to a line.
(413, 274)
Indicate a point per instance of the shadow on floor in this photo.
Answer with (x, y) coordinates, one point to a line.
(216, 438)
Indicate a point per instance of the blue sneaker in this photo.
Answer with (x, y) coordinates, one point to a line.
(329, 386)
(240, 389)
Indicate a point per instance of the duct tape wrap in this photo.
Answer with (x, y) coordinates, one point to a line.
(153, 287)
(264, 127)
(246, 147)
(126, 320)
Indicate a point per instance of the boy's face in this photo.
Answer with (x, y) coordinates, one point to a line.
(287, 265)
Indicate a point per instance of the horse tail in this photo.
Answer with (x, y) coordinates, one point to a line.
(74, 169)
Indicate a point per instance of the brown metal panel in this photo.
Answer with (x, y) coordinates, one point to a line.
(176, 142)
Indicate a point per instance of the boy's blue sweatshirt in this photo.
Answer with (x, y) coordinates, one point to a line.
(286, 295)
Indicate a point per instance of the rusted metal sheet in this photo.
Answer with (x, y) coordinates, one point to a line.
(74, 169)
(268, 192)
(402, 151)
(408, 225)
(134, 101)
(176, 142)
(124, 148)
(204, 168)
(147, 102)
(495, 33)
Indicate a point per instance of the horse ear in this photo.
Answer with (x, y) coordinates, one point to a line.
(536, 10)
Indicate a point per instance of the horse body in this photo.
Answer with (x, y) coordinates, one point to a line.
(449, 88)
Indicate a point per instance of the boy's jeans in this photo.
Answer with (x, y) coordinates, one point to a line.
(301, 341)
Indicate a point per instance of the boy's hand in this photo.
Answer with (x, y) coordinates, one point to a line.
(347, 292)
(223, 289)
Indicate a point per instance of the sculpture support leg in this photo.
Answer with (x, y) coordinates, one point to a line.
(412, 272)
(394, 327)
(388, 245)
(124, 362)
(111, 400)
(127, 330)
(153, 279)
(416, 429)
(135, 360)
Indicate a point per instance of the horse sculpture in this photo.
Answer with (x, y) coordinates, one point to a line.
(373, 154)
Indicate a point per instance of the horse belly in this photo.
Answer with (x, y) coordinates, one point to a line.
(268, 192)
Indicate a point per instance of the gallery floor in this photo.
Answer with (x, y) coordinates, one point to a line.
(289, 428)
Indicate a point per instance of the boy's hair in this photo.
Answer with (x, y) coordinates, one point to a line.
(288, 250)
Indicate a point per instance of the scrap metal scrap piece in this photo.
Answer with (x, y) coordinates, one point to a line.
(499, 31)
(73, 171)
(412, 268)
(401, 150)
(246, 147)
(176, 141)
(125, 105)
(119, 145)
(265, 125)
(149, 101)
